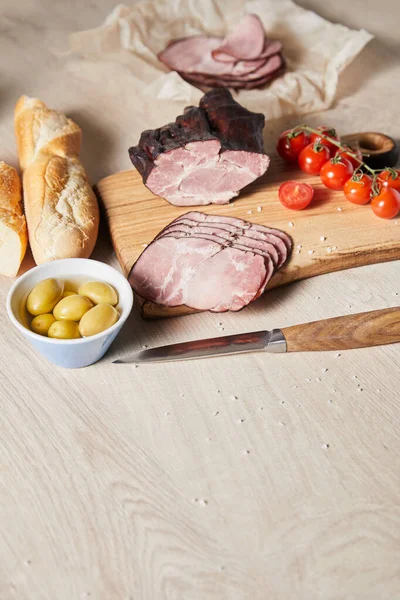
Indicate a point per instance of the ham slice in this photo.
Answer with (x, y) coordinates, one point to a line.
(266, 72)
(246, 42)
(269, 66)
(244, 59)
(275, 245)
(204, 266)
(225, 237)
(207, 156)
(246, 225)
(175, 271)
(194, 55)
(271, 47)
(203, 81)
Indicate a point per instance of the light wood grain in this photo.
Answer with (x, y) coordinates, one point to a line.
(373, 328)
(262, 477)
(352, 235)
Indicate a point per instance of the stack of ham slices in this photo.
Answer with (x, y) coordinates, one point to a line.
(244, 59)
(208, 155)
(209, 262)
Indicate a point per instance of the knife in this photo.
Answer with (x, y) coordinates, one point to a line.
(361, 330)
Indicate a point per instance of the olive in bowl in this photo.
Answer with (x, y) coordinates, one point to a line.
(64, 344)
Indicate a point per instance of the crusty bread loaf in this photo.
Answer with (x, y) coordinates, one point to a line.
(39, 129)
(13, 233)
(60, 206)
(61, 209)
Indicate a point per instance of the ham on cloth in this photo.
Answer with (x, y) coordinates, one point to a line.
(207, 267)
(207, 156)
(245, 57)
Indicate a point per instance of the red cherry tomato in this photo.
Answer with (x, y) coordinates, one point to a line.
(295, 195)
(389, 179)
(291, 143)
(356, 151)
(313, 157)
(358, 189)
(386, 204)
(336, 172)
(326, 131)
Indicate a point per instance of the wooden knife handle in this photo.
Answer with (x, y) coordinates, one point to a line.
(362, 330)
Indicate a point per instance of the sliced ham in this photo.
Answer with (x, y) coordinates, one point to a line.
(224, 238)
(253, 80)
(175, 271)
(238, 83)
(276, 245)
(271, 47)
(245, 42)
(245, 272)
(207, 156)
(204, 266)
(203, 218)
(194, 55)
(269, 67)
(244, 59)
(220, 233)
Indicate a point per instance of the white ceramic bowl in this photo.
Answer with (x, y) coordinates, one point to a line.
(70, 353)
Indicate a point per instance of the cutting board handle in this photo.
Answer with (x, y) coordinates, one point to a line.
(361, 330)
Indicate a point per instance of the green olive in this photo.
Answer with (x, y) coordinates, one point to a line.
(41, 323)
(44, 296)
(97, 319)
(64, 330)
(99, 292)
(72, 308)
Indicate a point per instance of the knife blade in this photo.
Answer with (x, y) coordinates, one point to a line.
(362, 330)
(271, 341)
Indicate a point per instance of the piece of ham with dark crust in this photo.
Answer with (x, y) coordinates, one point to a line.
(204, 266)
(207, 156)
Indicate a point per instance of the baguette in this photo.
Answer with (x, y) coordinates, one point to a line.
(60, 206)
(13, 233)
(61, 209)
(39, 129)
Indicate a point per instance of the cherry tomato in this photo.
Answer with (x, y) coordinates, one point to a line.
(358, 189)
(313, 157)
(330, 132)
(389, 179)
(295, 195)
(356, 151)
(336, 172)
(386, 204)
(291, 143)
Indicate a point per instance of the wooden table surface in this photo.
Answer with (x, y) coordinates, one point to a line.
(256, 477)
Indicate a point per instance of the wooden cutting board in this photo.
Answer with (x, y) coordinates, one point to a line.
(330, 235)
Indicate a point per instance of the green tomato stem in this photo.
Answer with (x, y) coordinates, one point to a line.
(339, 145)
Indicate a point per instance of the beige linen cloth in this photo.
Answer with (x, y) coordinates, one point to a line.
(316, 51)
